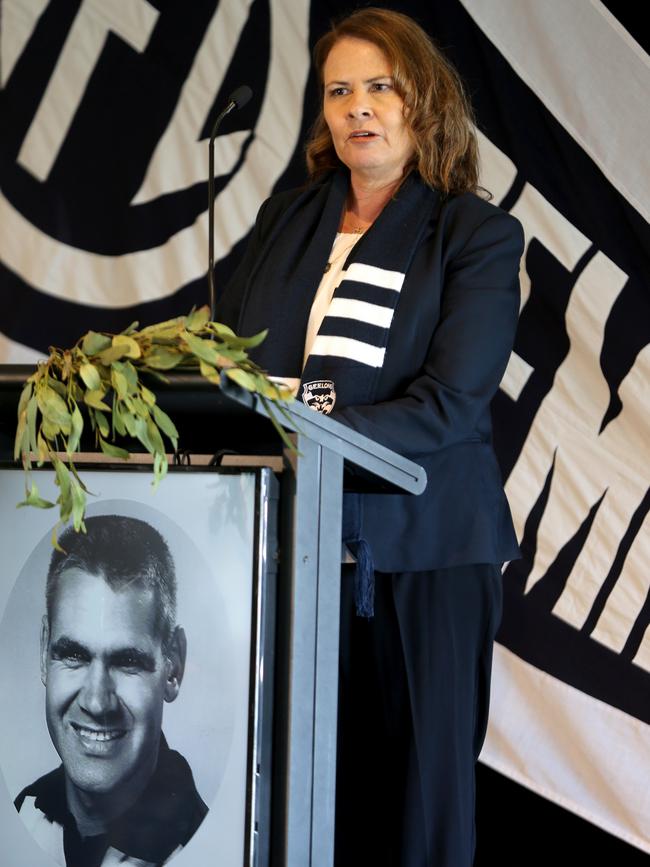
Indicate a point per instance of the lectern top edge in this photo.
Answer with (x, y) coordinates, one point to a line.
(188, 392)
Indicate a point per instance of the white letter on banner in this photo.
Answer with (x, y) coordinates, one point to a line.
(588, 465)
(543, 222)
(133, 21)
(567, 422)
(640, 555)
(180, 159)
(19, 18)
(626, 481)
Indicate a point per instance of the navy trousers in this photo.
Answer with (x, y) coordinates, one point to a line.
(413, 708)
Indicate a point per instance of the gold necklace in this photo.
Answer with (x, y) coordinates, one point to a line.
(353, 229)
(344, 252)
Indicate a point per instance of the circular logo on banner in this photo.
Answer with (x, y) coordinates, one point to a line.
(104, 160)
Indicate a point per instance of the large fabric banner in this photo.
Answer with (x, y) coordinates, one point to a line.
(106, 109)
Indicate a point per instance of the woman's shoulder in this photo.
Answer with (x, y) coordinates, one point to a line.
(470, 216)
(472, 210)
(283, 198)
(280, 201)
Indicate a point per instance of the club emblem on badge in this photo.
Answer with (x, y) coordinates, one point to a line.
(320, 395)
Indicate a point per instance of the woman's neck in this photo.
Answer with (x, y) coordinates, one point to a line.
(365, 203)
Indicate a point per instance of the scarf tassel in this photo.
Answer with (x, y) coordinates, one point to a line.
(364, 580)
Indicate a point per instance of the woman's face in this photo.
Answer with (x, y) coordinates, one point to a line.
(364, 113)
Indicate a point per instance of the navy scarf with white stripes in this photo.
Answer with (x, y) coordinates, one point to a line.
(347, 356)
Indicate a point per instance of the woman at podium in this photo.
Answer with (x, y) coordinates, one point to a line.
(389, 285)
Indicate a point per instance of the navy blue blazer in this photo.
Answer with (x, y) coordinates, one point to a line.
(448, 346)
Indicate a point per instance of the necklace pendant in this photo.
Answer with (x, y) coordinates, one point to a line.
(327, 267)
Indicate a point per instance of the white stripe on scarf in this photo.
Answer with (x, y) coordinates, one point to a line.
(364, 311)
(361, 273)
(347, 347)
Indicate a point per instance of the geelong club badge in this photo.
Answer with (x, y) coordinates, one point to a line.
(320, 395)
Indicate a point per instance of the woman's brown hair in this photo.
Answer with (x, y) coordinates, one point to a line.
(437, 110)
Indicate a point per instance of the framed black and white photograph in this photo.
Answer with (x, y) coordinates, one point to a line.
(129, 724)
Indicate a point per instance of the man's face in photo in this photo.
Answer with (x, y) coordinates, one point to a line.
(106, 679)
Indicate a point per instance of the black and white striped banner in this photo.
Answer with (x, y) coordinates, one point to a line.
(105, 112)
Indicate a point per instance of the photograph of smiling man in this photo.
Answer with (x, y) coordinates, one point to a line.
(112, 655)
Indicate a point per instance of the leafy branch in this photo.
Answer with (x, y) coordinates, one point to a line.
(100, 378)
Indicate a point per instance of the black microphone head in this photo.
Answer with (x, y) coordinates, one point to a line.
(241, 95)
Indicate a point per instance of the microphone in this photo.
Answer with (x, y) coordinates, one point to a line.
(238, 99)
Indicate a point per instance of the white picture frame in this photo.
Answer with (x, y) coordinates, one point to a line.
(211, 522)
